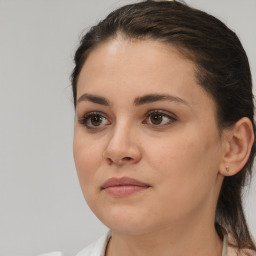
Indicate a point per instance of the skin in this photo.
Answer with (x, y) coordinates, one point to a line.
(180, 158)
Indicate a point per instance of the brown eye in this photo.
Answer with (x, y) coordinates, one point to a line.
(96, 120)
(156, 118)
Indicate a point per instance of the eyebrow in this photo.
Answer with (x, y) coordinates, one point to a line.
(94, 98)
(149, 98)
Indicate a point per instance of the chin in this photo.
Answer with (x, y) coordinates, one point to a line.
(127, 222)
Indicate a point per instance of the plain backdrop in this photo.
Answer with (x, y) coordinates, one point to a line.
(41, 206)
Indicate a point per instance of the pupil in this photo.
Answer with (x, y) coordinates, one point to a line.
(156, 118)
(96, 120)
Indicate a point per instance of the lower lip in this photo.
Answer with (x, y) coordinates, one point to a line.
(125, 190)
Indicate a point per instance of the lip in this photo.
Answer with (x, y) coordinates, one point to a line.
(124, 186)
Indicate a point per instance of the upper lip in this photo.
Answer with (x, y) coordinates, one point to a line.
(122, 182)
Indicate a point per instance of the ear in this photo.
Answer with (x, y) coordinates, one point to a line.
(237, 147)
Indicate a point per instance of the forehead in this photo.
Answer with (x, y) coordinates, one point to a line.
(122, 67)
(121, 58)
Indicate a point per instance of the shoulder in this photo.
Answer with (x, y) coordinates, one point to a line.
(96, 248)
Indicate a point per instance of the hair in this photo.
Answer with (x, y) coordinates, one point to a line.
(222, 69)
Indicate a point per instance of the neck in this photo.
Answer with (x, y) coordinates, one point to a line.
(198, 240)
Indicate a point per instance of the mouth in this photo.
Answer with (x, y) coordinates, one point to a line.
(122, 187)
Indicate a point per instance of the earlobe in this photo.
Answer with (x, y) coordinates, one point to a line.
(238, 144)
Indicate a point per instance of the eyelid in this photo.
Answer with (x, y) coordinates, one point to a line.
(160, 111)
(90, 113)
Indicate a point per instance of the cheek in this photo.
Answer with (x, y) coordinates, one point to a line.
(184, 173)
(173, 153)
(87, 156)
(185, 159)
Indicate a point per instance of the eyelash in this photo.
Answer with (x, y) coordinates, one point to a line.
(87, 121)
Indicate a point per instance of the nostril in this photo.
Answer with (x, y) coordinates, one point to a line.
(109, 160)
(127, 158)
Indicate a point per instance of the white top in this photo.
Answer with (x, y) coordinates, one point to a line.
(98, 248)
(51, 254)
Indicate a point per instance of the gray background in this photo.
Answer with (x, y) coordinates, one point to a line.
(41, 206)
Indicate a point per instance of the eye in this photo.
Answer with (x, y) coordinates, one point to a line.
(158, 118)
(94, 120)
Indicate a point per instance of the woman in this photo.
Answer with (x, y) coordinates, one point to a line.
(164, 132)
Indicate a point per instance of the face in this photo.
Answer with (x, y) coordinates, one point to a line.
(146, 144)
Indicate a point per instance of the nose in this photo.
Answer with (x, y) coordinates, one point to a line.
(122, 147)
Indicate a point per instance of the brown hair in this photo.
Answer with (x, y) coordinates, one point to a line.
(222, 69)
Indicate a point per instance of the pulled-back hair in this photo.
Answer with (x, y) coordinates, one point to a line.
(222, 69)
